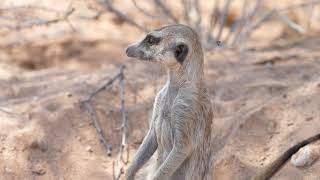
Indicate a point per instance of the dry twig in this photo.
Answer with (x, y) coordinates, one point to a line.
(121, 161)
(166, 11)
(118, 165)
(109, 6)
(40, 22)
(186, 9)
(291, 24)
(93, 114)
(223, 18)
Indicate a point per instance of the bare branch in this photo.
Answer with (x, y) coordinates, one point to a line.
(213, 19)
(166, 11)
(291, 24)
(199, 19)
(267, 16)
(143, 11)
(186, 10)
(239, 27)
(109, 6)
(124, 125)
(301, 5)
(262, 20)
(97, 125)
(93, 114)
(40, 22)
(223, 18)
(30, 7)
(247, 22)
(116, 175)
(105, 85)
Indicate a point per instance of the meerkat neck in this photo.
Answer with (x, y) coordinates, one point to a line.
(190, 74)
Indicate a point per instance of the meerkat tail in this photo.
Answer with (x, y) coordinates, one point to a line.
(276, 165)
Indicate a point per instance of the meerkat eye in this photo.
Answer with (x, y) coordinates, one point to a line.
(151, 40)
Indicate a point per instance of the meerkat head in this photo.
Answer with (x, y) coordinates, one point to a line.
(171, 45)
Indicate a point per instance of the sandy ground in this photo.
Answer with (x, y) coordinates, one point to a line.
(266, 99)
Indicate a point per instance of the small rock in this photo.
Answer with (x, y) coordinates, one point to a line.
(69, 95)
(89, 149)
(290, 124)
(6, 169)
(78, 138)
(38, 170)
(41, 145)
(305, 156)
(309, 119)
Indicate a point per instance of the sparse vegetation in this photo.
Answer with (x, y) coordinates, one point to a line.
(263, 77)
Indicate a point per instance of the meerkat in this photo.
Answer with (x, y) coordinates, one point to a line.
(180, 127)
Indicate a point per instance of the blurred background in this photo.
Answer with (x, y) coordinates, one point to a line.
(73, 106)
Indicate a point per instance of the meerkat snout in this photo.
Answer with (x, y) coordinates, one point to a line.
(132, 51)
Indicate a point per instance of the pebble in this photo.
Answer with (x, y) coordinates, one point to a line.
(38, 170)
(89, 149)
(305, 156)
(41, 145)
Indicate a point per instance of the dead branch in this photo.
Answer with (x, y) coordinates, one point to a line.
(300, 5)
(13, 8)
(166, 11)
(109, 6)
(92, 112)
(105, 85)
(124, 125)
(199, 18)
(116, 175)
(97, 125)
(240, 25)
(291, 24)
(223, 18)
(143, 11)
(40, 22)
(121, 161)
(118, 165)
(247, 22)
(267, 16)
(213, 21)
(186, 9)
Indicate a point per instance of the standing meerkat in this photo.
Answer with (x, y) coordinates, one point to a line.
(180, 128)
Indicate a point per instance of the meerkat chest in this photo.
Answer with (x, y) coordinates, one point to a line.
(165, 124)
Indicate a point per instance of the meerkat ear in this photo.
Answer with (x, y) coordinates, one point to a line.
(181, 52)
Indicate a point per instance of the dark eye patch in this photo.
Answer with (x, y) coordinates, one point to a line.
(151, 40)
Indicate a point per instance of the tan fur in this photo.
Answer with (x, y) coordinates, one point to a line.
(180, 128)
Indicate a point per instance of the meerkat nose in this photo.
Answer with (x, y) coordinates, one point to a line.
(128, 51)
(131, 52)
